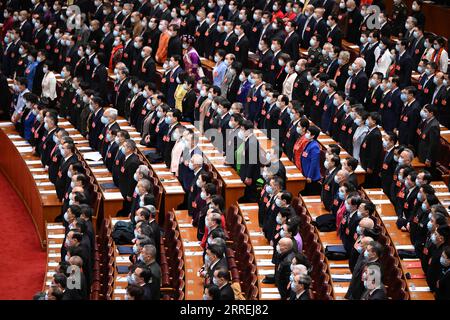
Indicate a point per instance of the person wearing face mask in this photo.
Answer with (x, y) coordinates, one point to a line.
(122, 90)
(147, 68)
(68, 157)
(241, 46)
(440, 239)
(426, 85)
(443, 282)
(405, 200)
(403, 64)
(359, 82)
(371, 150)
(349, 222)
(201, 27)
(441, 99)
(47, 143)
(310, 160)
(55, 155)
(417, 46)
(28, 117)
(99, 77)
(374, 94)
(409, 118)
(329, 185)
(440, 55)
(169, 82)
(389, 164)
(306, 26)
(428, 134)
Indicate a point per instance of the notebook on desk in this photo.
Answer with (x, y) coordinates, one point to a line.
(110, 185)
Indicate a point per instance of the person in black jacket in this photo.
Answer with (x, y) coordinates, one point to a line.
(389, 164)
(403, 65)
(248, 161)
(127, 183)
(188, 99)
(371, 151)
(371, 255)
(329, 186)
(68, 157)
(222, 280)
(375, 289)
(300, 287)
(409, 117)
(359, 82)
(443, 284)
(285, 253)
(440, 239)
(428, 135)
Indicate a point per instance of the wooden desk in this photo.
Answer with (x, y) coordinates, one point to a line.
(36, 191)
(338, 268)
(55, 233)
(173, 193)
(401, 240)
(193, 256)
(295, 180)
(325, 140)
(233, 187)
(262, 249)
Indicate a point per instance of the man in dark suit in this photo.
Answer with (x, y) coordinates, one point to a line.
(428, 135)
(374, 94)
(200, 31)
(403, 65)
(111, 149)
(329, 185)
(169, 82)
(371, 151)
(409, 118)
(242, 45)
(284, 255)
(300, 287)
(147, 71)
(334, 35)
(248, 160)
(253, 107)
(417, 47)
(291, 133)
(391, 104)
(354, 19)
(389, 164)
(47, 143)
(359, 82)
(107, 41)
(109, 118)
(292, 41)
(217, 261)
(99, 76)
(441, 100)
(356, 289)
(95, 124)
(127, 183)
(121, 90)
(68, 157)
(222, 280)
(434, 271)
(426, 85)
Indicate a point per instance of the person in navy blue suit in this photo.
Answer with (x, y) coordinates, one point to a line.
(95, 122)
(244, 87)
(170, 80)
(391, 104)
(310, 160)
(254, 98)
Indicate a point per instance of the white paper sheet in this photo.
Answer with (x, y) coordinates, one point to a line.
(93, 156)
(25, 149)
(113, 196)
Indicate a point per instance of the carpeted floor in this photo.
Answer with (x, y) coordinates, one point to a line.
(22, 261)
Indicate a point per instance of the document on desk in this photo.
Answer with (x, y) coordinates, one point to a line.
(225, 173)
(25, 149)
(94, 163)
(267, 263)
(5, 124)
(177, 189)
(159, 166)
(100, 170)
(40, 176)
(93, 156)
(47, 191)
(123, 259)
(55, 227)
(14, 136)
(340, 289)
(80, 141)
(294, 175)
(56, 236)
(262, 247)
(232, 181)
(341, 276)
(245, 207)
(81, 149)
(270, 296)
(381, 201)
(419, 289)
(191, 244)
(44, 183)
(22, 143)
(193, 253)
(185, 225)
(120, 291)
(265, 272)
(37, 169)
(32, 162)
(103, 179)
(256, 234)
(113, 196)
(163, 173)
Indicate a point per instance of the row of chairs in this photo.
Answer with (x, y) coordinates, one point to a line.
(243, 252)
(322, 288)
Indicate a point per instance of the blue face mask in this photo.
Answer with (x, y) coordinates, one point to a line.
(403, 97)
(168, 120)
(419, 197)
(433, 238)
(341, 195)
(429, 226)
(424, 207)
(366, 254)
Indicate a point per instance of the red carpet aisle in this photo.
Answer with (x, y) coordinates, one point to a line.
(22, 262)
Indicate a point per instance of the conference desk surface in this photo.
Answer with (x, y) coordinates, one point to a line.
(55, 234)
(233, 187)
(30, 180)
(262, 249)
(417, 285)
(339, 269)
(295, 180)
(193, 256)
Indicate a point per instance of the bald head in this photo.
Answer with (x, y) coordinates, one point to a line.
(366, 223)
(285, 244)
(299, 269)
